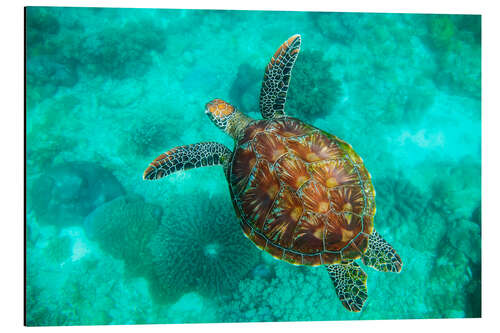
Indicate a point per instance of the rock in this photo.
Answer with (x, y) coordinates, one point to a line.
(64, 195)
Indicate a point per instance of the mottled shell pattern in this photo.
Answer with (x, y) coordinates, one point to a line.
(303, 195)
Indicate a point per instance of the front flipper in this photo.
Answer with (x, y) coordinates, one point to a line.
(188, 157)
(277, 77)
(381, 255)
(350, 284)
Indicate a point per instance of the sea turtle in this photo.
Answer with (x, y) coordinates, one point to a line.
(301, 194)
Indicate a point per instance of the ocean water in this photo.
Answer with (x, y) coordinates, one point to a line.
(108, 90)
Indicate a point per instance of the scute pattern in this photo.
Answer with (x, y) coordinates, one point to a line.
(303, 195)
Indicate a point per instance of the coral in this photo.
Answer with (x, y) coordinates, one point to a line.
(191, 308)
(123, 227)
(398, 201)
(465, 236)
(200, 247)
(86, 290)
(402, 208)
(47, 67)
(442, 31)
(66, 193)
(451, 272)
(123, 51)
(121, 94)
(337, 27)
(44, 75)
(51, 131)
(408, 102)
(59, 249)
(313, 91)
(41, 23)
(456, 41)
(146, 137)
(457, 190)
(295, 294)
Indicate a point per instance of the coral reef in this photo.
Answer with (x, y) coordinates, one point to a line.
(295, 294)
(313, 91)
(123, 51)
(455, 40)
(453, 271)
(337, 27)
(457, 190)
(45, 74)
(48, 67)
(89, 288)
(123, 228)
(146, 137)
(65, 194)
(59, 249)
(409, 102)
(40, 23)
(191, 308)
(200, 247)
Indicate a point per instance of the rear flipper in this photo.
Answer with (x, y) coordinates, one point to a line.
(381, 255)
(188, 157)
(350, 284)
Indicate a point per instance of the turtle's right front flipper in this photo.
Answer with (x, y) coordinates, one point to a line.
(188, 157)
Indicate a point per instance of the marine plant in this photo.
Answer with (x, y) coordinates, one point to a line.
(313, 91)
(123, 227)
(200, 247)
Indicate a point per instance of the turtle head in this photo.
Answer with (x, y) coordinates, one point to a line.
(227, 117)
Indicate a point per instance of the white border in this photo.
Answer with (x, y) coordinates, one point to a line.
(12, 161)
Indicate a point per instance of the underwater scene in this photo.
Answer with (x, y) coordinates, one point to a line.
(109, 90)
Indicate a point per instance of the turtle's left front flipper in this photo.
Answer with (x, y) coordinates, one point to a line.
(188, 157)
(381, 255)
(350, 284)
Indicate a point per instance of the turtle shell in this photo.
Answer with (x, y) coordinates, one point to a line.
(303, 195)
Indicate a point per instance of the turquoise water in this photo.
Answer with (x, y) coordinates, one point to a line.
(110, 89)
